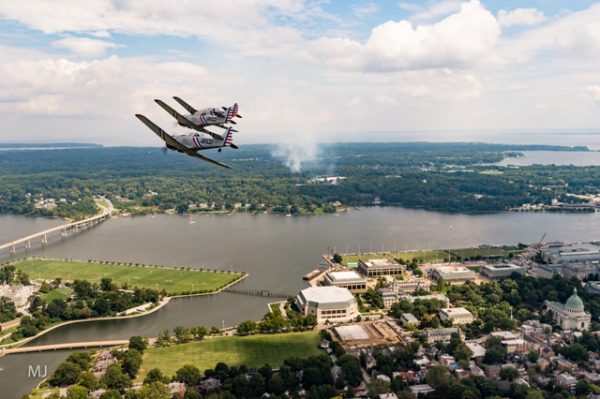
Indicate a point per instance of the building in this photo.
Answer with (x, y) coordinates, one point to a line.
(391, 297)
(571, 315)
(19, 294)
(500, 271)
(456, 315)
(408, 319)
(567, 381)
(580, 270)
(380, 267)
(330, 303)
(593, 287)
(441, 334)
(569, 254)
(346, 279)
(410, 286)
(453, 274)
(421, 389)
(388, 296)
(515, 345)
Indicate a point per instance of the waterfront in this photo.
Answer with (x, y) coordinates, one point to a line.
(276, 251)
(575, 158)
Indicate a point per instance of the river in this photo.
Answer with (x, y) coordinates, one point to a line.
(575, 158)
(276, 251)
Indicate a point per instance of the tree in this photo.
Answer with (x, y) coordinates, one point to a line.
(257, 384)
(138, 343)
(111, 394)
(88, 380)
(8, 311)
(508, 373)
(115, 378)
(56, 309)
(36, 304)
(439, 377)
(246, 327)
(582, 388)
(106, 284)
(77, 392)
(377, 387)
(164, 338)
(351, 369)
(154, 390)
(132, 360)
(276, 385)
(155, 375)
(182, 334)
(337, 258)
(190, 375)
(66, 374)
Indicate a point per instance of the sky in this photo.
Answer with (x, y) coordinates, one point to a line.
(302, 71)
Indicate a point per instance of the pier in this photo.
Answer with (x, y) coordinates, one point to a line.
(65, 346)
(258, 292)
(66, 231)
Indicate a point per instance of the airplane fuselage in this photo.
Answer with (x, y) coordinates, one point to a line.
(199, 141)
(205, 119)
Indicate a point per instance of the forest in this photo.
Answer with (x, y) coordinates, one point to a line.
(449, 177)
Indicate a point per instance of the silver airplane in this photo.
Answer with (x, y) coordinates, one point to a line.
(199, 119)
(192, 143)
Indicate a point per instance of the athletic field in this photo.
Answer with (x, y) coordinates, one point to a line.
(173, 281)
(252, 350)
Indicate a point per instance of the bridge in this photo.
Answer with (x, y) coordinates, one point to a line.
(258, 292)
(70, 345)
(66, 230)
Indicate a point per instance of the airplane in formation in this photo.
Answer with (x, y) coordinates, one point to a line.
(204, 139)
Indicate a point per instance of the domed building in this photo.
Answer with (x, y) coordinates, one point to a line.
(571, 315)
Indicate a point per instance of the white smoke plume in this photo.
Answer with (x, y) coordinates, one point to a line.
(295, 154)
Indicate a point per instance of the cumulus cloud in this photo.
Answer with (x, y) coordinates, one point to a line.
(85, 46)
(520, 16)
(594, 92)
(461, 39)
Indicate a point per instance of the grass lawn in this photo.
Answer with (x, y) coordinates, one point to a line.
(174, 281)
(252, 350)
(59, 293)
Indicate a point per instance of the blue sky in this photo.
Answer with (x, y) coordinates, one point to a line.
(302, 71)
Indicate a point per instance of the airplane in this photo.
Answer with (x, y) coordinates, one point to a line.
(199, 119)
(192, 143)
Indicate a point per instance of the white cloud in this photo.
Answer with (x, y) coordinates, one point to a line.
(594, 92)
(431, 12)
(85, 46)
(520, 16)
(461, 39)
(365, 9)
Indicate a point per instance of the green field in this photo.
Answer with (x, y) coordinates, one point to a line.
(59, 293)
(173, 281)
(252, 350)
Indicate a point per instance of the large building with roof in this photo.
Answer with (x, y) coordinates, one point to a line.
(346, 279)
(333, 304)
(380, 267)
(456, 315)
(453, 274)
(571, 315)
(500, 270)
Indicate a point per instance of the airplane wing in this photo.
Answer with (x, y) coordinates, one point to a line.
(170, 141)
(185, 105)
(180, 118)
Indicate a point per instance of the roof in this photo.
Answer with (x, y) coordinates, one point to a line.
(456, 312)
(455, 271)
(342, 276)
(328, 295)
(379, 263)
(352, 332)
(409, 317)
(574, 303)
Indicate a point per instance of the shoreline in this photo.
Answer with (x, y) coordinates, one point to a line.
(162, 303)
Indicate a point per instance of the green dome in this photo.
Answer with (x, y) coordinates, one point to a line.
(574, 303)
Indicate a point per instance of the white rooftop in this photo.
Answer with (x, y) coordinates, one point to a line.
(352, 332)
(456, 312)
(454, 270)
(327, 294)
(341, 276)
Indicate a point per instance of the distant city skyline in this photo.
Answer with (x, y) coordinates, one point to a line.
(303, 72)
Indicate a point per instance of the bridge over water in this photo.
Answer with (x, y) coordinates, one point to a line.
(65, 230)
(56, 347)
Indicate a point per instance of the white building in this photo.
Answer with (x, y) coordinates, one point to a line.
(453, 274)
(380, 267)
(571, 315)
(329, 303)
(456, 315)
(17, 293)
(500, 271)
(346, 279)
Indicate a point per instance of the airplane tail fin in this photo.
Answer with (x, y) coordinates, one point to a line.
(229, 139)
(231, 112)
